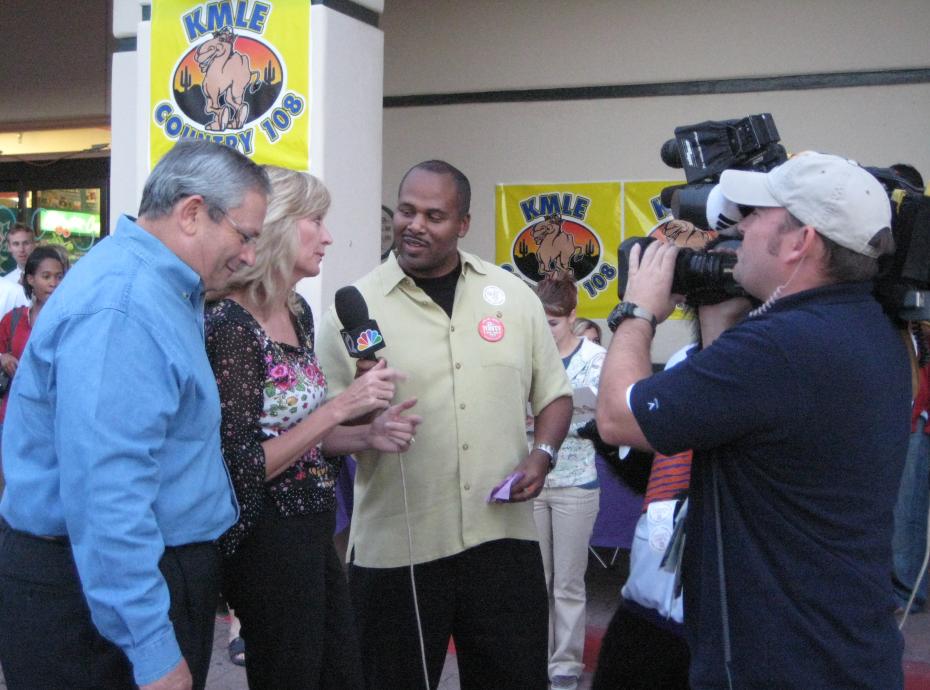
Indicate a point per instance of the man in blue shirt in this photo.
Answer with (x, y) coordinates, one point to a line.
(116, 485)
(799, 418)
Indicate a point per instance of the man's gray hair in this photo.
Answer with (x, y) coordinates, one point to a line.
(220, 174)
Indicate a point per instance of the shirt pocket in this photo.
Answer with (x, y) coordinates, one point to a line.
(508, 350)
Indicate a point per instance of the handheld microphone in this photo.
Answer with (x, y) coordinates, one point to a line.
(362, 339)
(361, 335)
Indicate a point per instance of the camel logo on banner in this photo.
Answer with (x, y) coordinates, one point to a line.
(644, 215)
(235, 73)
(568, 229)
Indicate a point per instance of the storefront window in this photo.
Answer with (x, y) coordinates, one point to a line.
(9, 206)
(66, 203)
(68, 217)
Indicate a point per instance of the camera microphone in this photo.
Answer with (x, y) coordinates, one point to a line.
(723, 214)
(361, 335)
(670, 154)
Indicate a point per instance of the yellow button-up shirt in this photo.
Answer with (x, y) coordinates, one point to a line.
(472, 391)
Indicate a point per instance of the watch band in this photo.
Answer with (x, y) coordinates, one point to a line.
(548, 450)
(630, 310)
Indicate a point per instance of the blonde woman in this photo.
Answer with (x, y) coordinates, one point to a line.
(281, 572)
(587, 328)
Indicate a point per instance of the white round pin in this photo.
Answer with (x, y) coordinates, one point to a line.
(494, 296)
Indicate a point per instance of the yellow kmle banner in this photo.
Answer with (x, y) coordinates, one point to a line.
(574, 229)
(237, 73)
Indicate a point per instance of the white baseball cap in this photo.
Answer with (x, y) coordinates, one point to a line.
(837, 197)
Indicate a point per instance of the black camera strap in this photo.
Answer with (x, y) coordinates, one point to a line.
(722, 580)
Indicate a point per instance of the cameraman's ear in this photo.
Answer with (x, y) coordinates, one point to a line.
(805, 242)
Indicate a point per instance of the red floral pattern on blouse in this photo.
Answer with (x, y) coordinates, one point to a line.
(267, 387)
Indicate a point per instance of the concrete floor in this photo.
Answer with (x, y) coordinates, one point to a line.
(603, 589)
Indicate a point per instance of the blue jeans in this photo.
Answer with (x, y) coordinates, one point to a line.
(910, 522)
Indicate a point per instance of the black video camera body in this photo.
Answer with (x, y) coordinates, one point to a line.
(704, 277)
(705, 150)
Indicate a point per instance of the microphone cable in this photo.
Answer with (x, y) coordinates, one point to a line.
(413, 582)
(352, 312)
(920, 576)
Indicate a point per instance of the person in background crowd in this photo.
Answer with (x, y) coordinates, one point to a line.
(909, 174)
(909, 542)
(642, 646)
(281, 573)
(116, 487)
(587, 328)
(20, 241)
(567, 507)
(42, 274)
(235, 645)
(474, 341)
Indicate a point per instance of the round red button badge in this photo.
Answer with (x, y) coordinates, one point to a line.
(491, 329)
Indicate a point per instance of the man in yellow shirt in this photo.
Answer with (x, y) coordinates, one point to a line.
(476, 346)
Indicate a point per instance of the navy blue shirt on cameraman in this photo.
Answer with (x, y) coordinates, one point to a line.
(804, 412)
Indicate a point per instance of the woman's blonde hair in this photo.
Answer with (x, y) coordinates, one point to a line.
(294, 195)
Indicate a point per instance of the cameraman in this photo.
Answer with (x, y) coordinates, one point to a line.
(798, 417)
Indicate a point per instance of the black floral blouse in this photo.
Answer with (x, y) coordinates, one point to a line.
(267, 387)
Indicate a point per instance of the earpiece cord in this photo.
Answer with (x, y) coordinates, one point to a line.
(776, 293)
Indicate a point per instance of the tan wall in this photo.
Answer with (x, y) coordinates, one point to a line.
(441, 46)
(451, 45)
(620, 139)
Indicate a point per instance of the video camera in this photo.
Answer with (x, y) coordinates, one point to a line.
(705, 150)
(902, 285)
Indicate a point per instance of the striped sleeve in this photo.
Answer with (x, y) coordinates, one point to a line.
(669, 477)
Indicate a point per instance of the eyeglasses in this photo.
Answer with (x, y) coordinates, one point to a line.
(247, 239)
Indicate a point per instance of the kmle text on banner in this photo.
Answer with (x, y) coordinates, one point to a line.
(237, 73)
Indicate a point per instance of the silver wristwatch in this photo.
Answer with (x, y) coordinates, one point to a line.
(550, 451)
